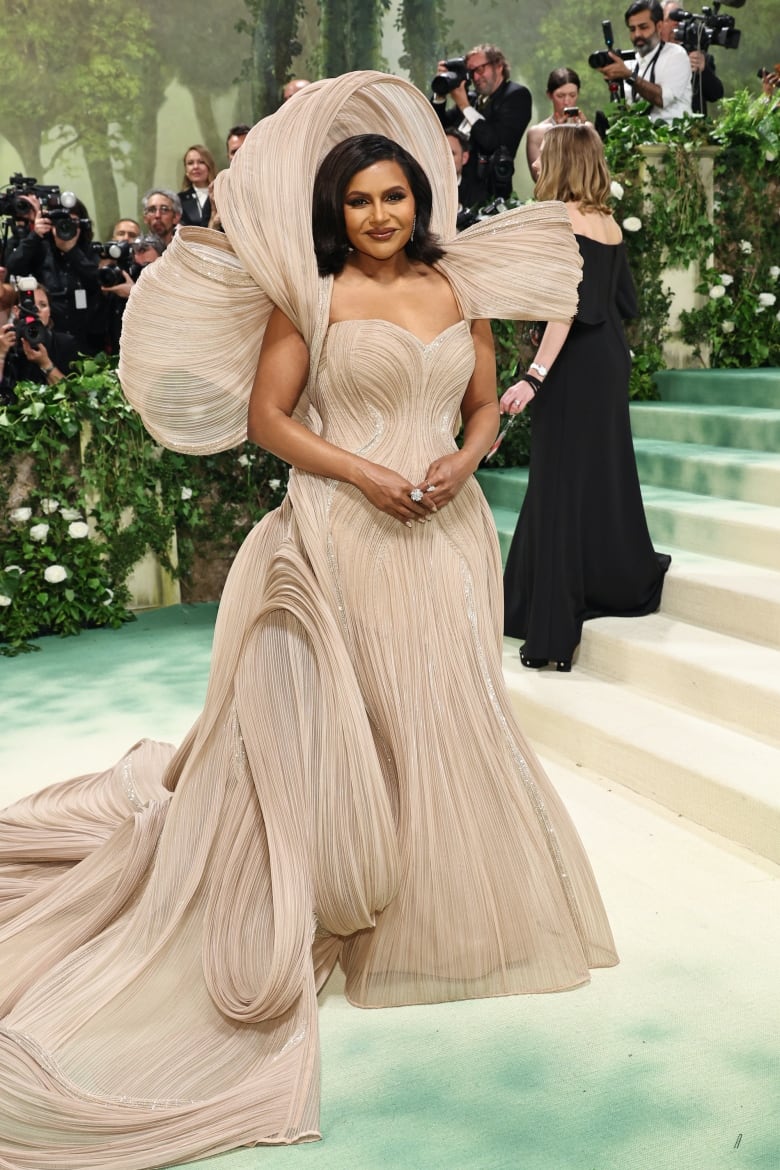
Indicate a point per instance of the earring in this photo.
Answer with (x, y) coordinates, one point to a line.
(414, 225)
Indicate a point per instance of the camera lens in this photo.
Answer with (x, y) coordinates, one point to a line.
(66, 228)
(110, 276)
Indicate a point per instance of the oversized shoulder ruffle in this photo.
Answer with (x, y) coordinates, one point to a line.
(194, 325)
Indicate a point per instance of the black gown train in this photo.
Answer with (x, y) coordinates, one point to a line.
(581, 548)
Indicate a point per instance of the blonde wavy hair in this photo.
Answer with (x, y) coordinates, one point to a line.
(573, 168)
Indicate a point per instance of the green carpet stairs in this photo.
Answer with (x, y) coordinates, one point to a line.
(684, 706)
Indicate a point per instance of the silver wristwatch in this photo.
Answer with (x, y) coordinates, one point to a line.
(541, 370)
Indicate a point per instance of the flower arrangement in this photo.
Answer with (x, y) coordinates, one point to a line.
(665, 223)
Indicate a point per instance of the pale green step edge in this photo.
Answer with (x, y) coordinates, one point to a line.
(711, 471)
(746, 387)
(742, 427)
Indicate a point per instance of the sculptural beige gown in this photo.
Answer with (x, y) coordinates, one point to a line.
(356, 788)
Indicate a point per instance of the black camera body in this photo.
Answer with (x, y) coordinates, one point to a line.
(121, 253)
(697, 31)
(601, 57)
(457, 73)
(55, 204)
(27, 324)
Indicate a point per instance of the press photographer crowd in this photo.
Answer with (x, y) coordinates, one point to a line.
(63, 293)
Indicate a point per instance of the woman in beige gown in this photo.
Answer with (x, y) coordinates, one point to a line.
(356, 789)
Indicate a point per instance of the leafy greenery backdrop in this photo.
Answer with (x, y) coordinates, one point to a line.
(86, 83)
(85, 493)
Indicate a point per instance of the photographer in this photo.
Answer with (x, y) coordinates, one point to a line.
(662, 73)
(706, 85)
(29, 350)
(493, 119)
(57, 251)
(121, 263)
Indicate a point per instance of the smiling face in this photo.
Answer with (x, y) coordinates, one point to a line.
(379, 210)
(196, 169)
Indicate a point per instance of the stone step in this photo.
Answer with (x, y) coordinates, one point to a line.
(733, 474)
(737, 599)
(745, 427)
(504, 487)
(712, 674)
(726, 387)
(733, 529)
(718, 777)
(736, 530)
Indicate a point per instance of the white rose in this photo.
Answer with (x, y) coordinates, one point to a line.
(243, 460)
(766, 299)
(716, 205)
(274, 484)
(54, 574)
(717, 291)
(49, 506)
(774, 272)
(616, 189)
(70, 514)
(4, 600)
(726, 279)
(746, 247)
(14, 569)
(109, 596)
(186, 493)
(727, 326)
(39, 532)
(21, 515)
(770, 155)
(78, 530)
(632, 224)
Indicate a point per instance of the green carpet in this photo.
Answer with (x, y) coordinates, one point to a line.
(667, 1061)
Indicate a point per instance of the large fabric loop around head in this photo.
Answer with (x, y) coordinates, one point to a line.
(194, 325)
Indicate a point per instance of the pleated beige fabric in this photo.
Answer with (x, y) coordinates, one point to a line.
(356, 787)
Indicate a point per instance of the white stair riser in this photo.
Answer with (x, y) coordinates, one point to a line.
(719, 536)
(749, 705)
(723, 608)
(686, 790)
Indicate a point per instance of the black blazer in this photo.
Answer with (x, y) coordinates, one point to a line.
(503, 123)
(191, 215)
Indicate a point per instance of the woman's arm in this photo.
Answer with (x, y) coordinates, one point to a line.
(282, 372)
(479, 412)
(517, 397)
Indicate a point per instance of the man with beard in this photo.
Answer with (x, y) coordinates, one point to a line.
(662, 72)
(492, 119)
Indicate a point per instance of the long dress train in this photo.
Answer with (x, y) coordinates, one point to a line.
(356, 788)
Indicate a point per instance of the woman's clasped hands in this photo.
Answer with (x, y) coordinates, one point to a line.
(398, 497)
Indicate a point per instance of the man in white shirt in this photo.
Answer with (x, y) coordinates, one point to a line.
(662, 73)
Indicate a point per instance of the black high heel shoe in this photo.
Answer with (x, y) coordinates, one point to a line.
(532, 663)
(563, 665)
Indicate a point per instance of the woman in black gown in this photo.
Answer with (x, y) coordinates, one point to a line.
(581, 548)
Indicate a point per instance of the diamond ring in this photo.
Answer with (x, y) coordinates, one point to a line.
(431, 487)
(415, 495)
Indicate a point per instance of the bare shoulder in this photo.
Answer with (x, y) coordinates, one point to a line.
(596, 225)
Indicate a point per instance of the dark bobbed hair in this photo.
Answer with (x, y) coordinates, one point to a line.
(330, 184)
(651, 6)
(561, 77)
